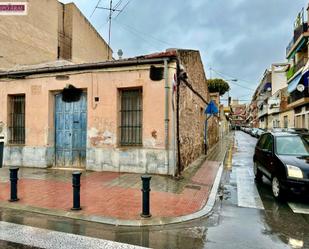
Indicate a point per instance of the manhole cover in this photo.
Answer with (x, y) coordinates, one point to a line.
(193, 187)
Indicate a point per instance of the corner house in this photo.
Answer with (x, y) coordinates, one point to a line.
(120, 115)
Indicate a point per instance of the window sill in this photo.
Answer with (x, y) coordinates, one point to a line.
(127, 147)
(12, 144)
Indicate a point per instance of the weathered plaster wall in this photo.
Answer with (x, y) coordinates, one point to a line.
(192, 116)
(103, 150)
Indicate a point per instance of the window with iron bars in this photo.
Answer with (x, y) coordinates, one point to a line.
(17, 119)
(131, 117)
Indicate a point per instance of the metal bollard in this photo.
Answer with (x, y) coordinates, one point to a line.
(146, 198)
(76, 191)
(1, 152)
(14, 179)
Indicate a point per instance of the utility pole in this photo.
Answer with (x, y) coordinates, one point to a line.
(111, 11)
(110, 24)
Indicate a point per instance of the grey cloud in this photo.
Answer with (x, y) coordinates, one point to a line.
(238, 37)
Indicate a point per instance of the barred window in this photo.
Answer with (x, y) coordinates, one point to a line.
(131, 117)
(17, 119)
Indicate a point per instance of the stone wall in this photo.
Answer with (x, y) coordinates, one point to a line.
(192, 117)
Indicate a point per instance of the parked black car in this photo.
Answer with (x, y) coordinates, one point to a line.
(283, 157)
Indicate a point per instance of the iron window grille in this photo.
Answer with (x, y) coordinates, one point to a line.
(17, 119)
(131, 117)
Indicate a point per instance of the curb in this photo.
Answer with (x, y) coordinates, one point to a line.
(117, 222)
(205, 211)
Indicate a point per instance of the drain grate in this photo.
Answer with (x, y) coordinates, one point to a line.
(193, 187)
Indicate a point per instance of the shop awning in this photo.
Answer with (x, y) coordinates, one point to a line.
(293, 84)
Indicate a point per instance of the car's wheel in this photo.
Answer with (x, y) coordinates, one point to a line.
(276, 188)
(257, 173)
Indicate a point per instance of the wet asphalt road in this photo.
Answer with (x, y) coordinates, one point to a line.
(229, 226)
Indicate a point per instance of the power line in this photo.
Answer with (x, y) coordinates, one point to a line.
(231, 76)
(111, 10)
(144, 34)
(140, 37)
(225, 75)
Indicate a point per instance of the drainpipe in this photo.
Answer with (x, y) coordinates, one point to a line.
(166, 118)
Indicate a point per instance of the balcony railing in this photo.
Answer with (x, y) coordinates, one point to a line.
(297, 33)
(301, 63)
(293, 69)
(263, 111)
(296, 95)
(290, 72)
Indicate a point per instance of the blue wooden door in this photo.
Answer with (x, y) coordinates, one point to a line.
(71, 132)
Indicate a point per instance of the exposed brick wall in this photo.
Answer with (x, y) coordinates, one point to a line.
(192, 117)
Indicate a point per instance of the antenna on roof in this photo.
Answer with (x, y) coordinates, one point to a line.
(111, 10)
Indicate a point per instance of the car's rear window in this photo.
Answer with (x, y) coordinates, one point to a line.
(292, 145)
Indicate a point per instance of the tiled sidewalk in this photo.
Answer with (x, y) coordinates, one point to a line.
(115, 195)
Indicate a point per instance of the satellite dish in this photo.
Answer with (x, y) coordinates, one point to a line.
(120, 53)
(268, 89)
(300, 87)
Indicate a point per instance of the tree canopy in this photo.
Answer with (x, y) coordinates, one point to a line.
(218, 86)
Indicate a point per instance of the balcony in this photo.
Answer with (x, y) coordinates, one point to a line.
(301, 63)
(297, 34)
(297, 98)
(294, 69)
(263, 111)
(290, 72)
(273, 105)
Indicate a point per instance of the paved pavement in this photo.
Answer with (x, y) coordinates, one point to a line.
(115, 198)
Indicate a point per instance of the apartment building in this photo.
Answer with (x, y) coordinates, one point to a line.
(263, 92)
(298, 73)
(49, 31)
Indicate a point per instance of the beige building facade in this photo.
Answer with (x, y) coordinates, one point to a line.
(49, 31)
(123, 117)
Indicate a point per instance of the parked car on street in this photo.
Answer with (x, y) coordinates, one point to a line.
(283, 157)
(298, 130)
(253, 132)
(259, 132)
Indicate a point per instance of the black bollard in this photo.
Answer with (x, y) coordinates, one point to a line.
(1, 152)
(14, 179)
(146, 198)
(76, 190)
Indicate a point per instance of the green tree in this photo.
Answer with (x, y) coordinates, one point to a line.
(218, 86)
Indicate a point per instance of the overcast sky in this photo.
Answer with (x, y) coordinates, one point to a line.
(237, 38)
